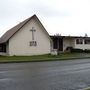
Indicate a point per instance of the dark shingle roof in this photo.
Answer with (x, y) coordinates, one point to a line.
(15, 29)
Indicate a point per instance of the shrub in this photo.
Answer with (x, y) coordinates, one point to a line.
(87, 50)
(76, 50)
(69, 49)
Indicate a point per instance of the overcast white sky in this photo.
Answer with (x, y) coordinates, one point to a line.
(66, 17)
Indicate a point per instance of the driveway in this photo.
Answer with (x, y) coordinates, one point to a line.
(55, 75)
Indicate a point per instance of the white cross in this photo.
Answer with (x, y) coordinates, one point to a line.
(32, 30)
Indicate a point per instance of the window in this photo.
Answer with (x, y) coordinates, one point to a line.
(79, 41)
(86, 41)
(33, 43)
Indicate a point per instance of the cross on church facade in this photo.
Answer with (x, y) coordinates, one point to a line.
(33, 42)
(32, 30)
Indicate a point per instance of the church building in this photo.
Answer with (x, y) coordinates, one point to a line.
(27, 38)
(31, 38)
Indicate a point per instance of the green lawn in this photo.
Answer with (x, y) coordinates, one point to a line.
(88, 89)
(47, 57)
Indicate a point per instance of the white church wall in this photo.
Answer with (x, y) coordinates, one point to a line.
(19, 44)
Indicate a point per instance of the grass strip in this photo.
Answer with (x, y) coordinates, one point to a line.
(47, 57)
(87, 89)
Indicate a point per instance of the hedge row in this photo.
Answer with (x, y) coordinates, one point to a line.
(76, 50)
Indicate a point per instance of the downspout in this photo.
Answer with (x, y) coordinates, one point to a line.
(58, 45)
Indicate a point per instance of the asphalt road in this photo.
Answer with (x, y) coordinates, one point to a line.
(55, 75)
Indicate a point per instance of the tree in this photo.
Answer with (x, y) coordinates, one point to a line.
(86, 35)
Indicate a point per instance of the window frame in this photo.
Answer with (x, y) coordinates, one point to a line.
(86, 41)
(79, 41)
(33, 43)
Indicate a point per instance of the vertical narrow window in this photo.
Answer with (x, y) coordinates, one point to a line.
(33, 43)
(86, 41)
(79, 41)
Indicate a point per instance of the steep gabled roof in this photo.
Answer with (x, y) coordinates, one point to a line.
(16, 28)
